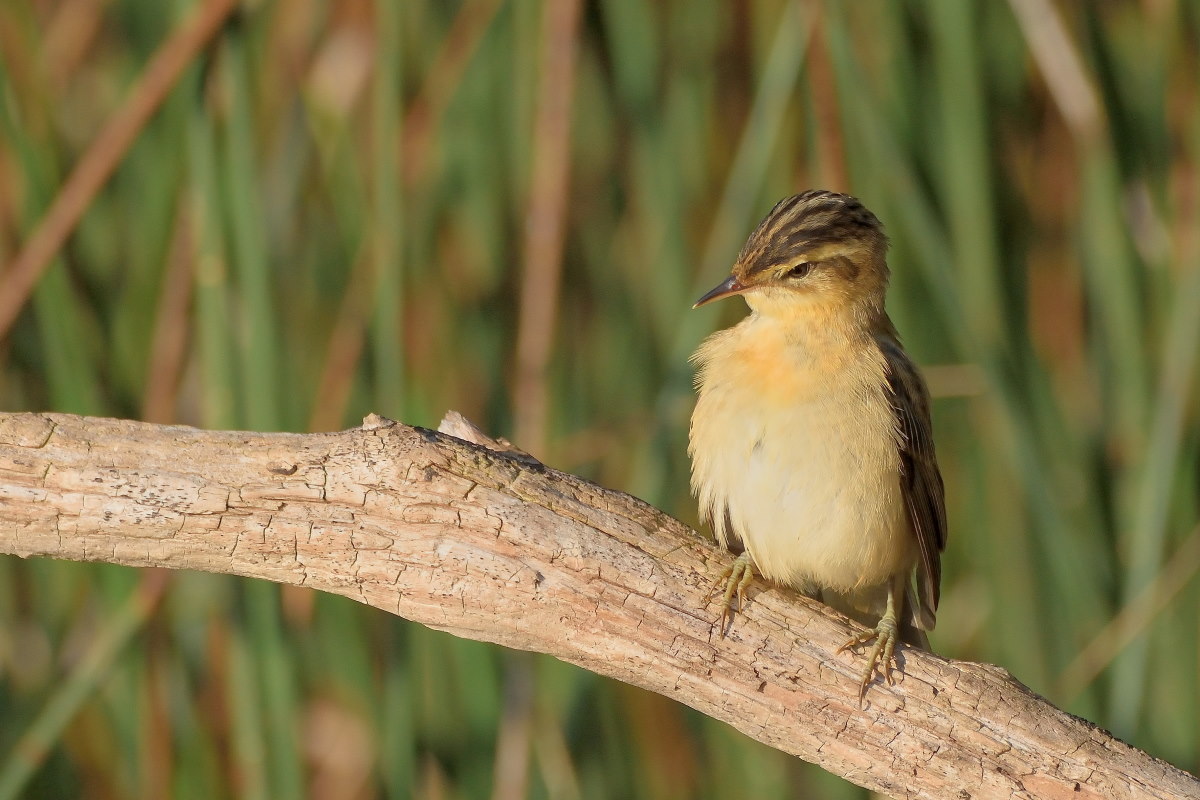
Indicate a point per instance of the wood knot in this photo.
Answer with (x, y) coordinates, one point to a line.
(25, 430)
(373, 422)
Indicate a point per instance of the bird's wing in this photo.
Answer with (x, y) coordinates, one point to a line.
(920, 479)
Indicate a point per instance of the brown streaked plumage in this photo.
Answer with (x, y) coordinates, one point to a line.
(811, 442)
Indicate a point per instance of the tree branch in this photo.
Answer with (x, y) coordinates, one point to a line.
(491, 545)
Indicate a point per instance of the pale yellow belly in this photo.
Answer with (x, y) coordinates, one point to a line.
(809, 475)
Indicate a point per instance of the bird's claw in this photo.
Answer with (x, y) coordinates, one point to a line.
(882, 654)
(733, 580)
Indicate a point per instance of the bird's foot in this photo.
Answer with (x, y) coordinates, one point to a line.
(733, 582)
(885, 636)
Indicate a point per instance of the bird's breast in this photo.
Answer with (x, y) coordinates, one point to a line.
(798, 445)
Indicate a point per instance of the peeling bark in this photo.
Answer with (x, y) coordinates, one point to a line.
(488, 544)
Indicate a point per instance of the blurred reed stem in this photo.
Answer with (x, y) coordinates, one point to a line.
(508, 207)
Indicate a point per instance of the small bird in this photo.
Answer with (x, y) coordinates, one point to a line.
(811, 445)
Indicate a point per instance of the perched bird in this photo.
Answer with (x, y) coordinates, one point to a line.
(812, 453)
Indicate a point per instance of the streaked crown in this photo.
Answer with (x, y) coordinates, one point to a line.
(818, 243)
(811, 227)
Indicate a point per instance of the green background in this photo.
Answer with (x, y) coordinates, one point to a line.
(328, 217)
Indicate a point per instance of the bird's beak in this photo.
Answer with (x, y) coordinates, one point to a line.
(730, 286)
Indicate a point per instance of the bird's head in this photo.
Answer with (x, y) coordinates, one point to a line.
(818, 249)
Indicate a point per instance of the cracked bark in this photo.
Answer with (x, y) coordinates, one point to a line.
(488, 544)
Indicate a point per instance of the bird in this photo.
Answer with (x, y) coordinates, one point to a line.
(811, 443)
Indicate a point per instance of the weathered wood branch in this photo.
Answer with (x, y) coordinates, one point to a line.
(493, 546)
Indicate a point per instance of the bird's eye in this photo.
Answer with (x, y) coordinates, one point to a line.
(799, 270)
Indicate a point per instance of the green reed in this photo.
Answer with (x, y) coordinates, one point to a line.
(343, 189)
